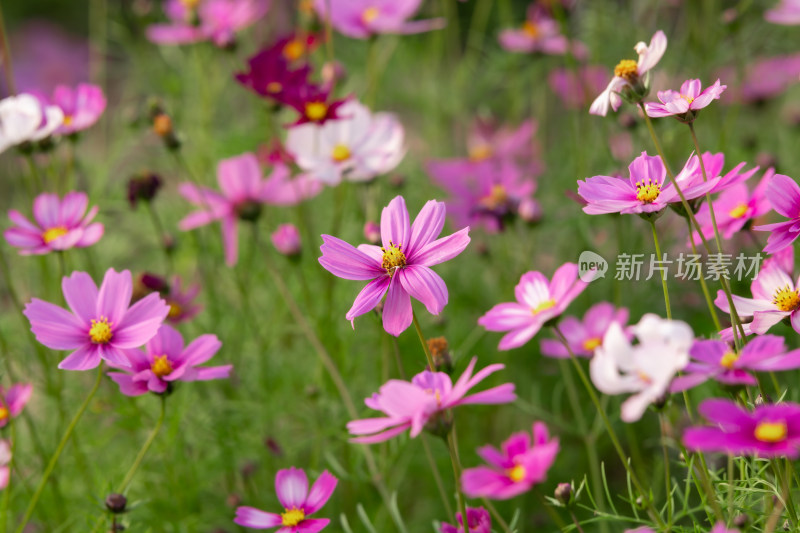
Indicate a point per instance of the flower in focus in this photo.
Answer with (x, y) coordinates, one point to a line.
(712, 359)
(401, 268)
(270, 72)
(576, 87)
(783, 194)
(519, 466)
(291, 486)
(165, 359)
(424, 402)
(786, 12)
(58, 225)
(81, 106)
(685, 104)
(538, 302)
(628, 76)
(645, 369)
(358, 146)
(539, 33)
(5, 460)
(584, 336)
(361, 19)
(101, 324)
(13, 401)
(244, 192)
(478, 521)
(193, 21)
(768, 431)
(286, 239)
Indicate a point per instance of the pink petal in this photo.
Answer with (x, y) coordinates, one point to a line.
(253, 518)
(114, 295)
(80, 293)
(201, 349)
(141, 322)
(291, 485)
(343, 260)
(443, 249)
(427, 226)
(320, 492)
(425, 285)
(127, 386)
(397, 312)
(369, 297)
(55, 327)
(84, 358)
(394, 223)
(312, 525)
(230, 239)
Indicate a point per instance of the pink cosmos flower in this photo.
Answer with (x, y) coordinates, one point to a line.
(286, 239)
(643, 192)
(291, 486)
(786, 12)
(413, 405)
(101, 325)
(399, 269)
(51, 118)
(576, 89)
(5, 460)
(179, 298)
(58, 225)
(538, 302)
(361, 19)
(629, 74)
(585, 336)
(193, 21)
(712, 359)
(690, 178)
(539, 33)
(13, 401)
(514, 470)
(489, 140)
(165, 360)
(764, 78)
(685, 104)
(768, 431)
(244, 191)
(81, 106)
(478, 521)
(783, 194)
(645, 369)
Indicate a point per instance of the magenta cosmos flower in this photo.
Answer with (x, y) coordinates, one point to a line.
(244, 191)
(768, 431)
(786, 12)
(712, 359)
(82, 106)
(685, 104)
(270, 72)
(538, 302)
(783, 194)
(291, 486)
(286, 239)
(179, 297)
(401, 268)
(193, 21)
(411, 405)
(59, 225)
(101, 324)
(691, 175)
(583, 336)
(478, 521)
(361, 19)
(539, 33)
(13, 401)
(576, 87)
(166, 359)
(520, 465)
(489, 140)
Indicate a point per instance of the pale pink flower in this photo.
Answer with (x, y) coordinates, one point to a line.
(685, 104)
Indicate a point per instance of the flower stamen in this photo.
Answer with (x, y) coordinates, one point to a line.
(54, 233)
(292, 517)
(316, 111)
(340, 153)
(100, 332)
(728, 360)
(771, 431)
(393, 258)
(739, 211)
(517, 473)
(647, 191)
(161, 366)
(628, 70)
(787, 299)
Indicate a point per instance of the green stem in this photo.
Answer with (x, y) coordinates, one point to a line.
(423, 342)
(145, 447)
(667, 476)
(54, 459)
(162, 235)
(663, 274)
(436, 476)
(495, 514)
(707, 295)
(452, 445)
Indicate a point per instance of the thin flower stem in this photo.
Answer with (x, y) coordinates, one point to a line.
(730, 488)
(663, 274)
(702, 473)
(707, 295)
(145, 447)
(575, 521)
(785, 482)
(423, 342)
(452, 445)
(54, 459)
(162, 235)
(37, 180)
(495, 514)
(436, 476)
(667, 476)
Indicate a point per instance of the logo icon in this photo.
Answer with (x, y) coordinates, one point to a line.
(591, 266)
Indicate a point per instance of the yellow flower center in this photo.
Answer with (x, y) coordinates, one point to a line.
(739, 211)
(67, 120)
(190, 4)
(729, 359)
(497, 197)
(544, 306)
(516, 474)
(161, 366)
(274, 87)
(393, 258)
(590, 344)
(316, 110)
(294, 49)
(530, 29)
(100, 332)
(369, 14)
(687, 98)
(480, 152)
(53, 234)
(3, 413)
(644, 377)
(786, 299)
(175, 310)
(292, 517)
(627, 69)
(340, 153)
(771, 431)
(647, 191)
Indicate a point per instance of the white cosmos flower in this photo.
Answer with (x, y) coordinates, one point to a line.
(358, 146)
(24, 118)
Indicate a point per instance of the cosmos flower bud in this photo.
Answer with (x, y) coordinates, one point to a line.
(143, 187)
(333, 72)
(564, 494)
(162, 126)
(116, 503)
(529, 210)
(286, 239)
(372, 232)
(440, 353)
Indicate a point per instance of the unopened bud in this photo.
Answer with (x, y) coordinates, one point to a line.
(116, 503)
(143, 187)
(162, 125)
(529, 210)
(440, 353)
(286, 239)
(372, 232)
(563, 493)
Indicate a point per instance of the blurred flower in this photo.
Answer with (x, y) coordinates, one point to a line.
(193, 21)
(685, 104)
(5, 460)
(576, 87)
(314, 104)
(101, 325)
(489, 140)
(539, 33)
(585, 336)
(270, 71)
(628, 76)
(81, 106)
(164, 360)
(372, 232)
(20, 117)
(13, 401)
(361, 19)
(52, 118)
(538, 302)
(786, 12)
(478, 521)
(712, 359)
(358, 146)
(416, 404)
(59, 225)
(180, 299)
(401, 268)
(783, 194)
(515, 470)
(763, 78)
(621, 146)
(691, 175)
(768, 431)
(645, 369)
(143, 187)
(244, 191)
(286, 239)
(291, 486)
